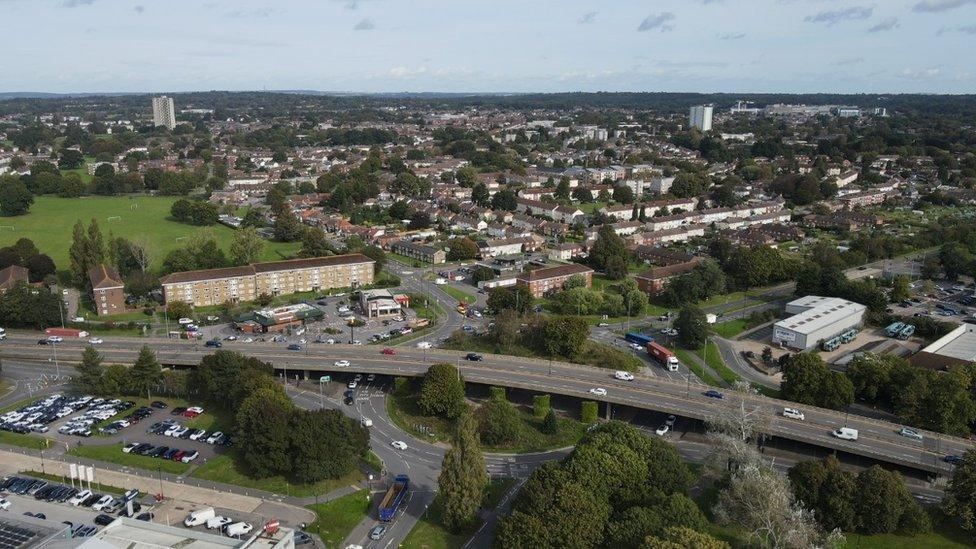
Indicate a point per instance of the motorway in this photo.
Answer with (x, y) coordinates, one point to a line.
(879, 440)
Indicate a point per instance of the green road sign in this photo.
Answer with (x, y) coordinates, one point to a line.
(325, 379)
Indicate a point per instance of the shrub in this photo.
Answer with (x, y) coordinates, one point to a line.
(541, 405)
(589, 411)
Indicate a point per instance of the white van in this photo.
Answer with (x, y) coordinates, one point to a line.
(793, 413)
(846, 433)
(237, 529)
(198, 517)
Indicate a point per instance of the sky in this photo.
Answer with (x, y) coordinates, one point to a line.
(785, 46)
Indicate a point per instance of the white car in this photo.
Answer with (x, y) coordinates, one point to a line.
(663, 430)
(623, 376)
(55, 339)
(352, 384)
(184, 321)
(366, 422)
(598, 391)
(4, 504)
(341, 363)
(670, 332)
(187, 458)
(238, 529)
(103, 503)
(80, 497)
(793, 413)
(218, 522)
(96, 341)
(399, 445)
(636, 346)
(423, 345)
(128, 447)
(440, 281)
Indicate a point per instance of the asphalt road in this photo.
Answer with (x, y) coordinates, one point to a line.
(878, 440)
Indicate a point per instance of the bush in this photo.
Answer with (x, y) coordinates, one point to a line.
(497, 393)
(550, 425)
(498, 422)
(442, 391)
(541, 405)
(589, 411)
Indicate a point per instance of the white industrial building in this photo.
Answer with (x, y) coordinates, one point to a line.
(956, 347)
(816, 319)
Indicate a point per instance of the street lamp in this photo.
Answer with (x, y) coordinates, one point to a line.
(369, 485)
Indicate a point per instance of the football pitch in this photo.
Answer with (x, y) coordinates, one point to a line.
(51, 220)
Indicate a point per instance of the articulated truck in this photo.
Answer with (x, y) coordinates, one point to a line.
(663, 355)
(394, 497)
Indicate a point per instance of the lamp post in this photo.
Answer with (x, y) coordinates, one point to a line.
(57, 365)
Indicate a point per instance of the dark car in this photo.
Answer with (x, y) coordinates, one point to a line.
(952, 459)
(104, 520)
(712, 393)
(473, 357)
(43, 342)
(212, 343)
(294, 347)
(158, 451)
(170, 453)
(178, 411)
(159, 405)
(145, 517)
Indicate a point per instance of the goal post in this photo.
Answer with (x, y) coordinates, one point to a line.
(112, 218)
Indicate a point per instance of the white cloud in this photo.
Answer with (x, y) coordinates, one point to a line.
(588, 17)
(936, 6)
(657, 21)
(833, 17)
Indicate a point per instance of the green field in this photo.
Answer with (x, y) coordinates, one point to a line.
(337, 518)
(112, 453)
(459, 295)
(51, 219)
(228, 470)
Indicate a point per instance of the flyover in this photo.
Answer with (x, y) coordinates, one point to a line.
(878, 440)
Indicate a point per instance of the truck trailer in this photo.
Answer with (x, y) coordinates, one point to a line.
(394, 497)
(663, 355)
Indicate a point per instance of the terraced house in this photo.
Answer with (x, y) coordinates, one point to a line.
(233, 284)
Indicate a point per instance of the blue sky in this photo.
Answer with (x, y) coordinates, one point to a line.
(490, 45)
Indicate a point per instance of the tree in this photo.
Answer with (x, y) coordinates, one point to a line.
(462, 249)
(325, 444)
(39, 267)
(759, 500)
(609, 254)
(71, 159)
(884, 503)
(145, 373)
(24, 306)
(808, 380)
(246, 246)
(682, 537)
(263, 420)
(622, 194)
(462, 482)
(550, 425)
(562, 189)
(442, 391)
(482, 274)
(960, 494)
(287, 228)
(89, 372)
(15, 199)
(505, 199)
(515, 298)
(498, 422)
(314, 243)
(480, 195)
(900, 289)
(560, 335)
(692, 326)
(94, 246)
(179, 309)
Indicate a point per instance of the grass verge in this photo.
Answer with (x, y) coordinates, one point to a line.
(459, 295)
(686, 358)
(337, 518)
(112, 453)
(96, 486)
(430, 533)
(24, 441)
(227, 469)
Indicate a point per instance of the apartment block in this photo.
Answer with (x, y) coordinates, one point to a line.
(107, 287)
(547, 280)
(233, 284)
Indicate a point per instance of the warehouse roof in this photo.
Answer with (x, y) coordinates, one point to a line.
(959, 344)
(826, 311)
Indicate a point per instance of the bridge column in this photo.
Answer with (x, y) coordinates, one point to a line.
(608, 411)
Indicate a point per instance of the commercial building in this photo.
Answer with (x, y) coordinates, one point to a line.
(233, 284)
(107, 287)
(163, 112)
(956, 347)
(381, 303)
(547, 280)
(816, 319)
(700, 116)
(279, 319)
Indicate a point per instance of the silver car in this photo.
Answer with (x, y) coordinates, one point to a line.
(910, 433)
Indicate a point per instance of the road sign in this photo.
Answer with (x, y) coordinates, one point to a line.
(325, 379)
